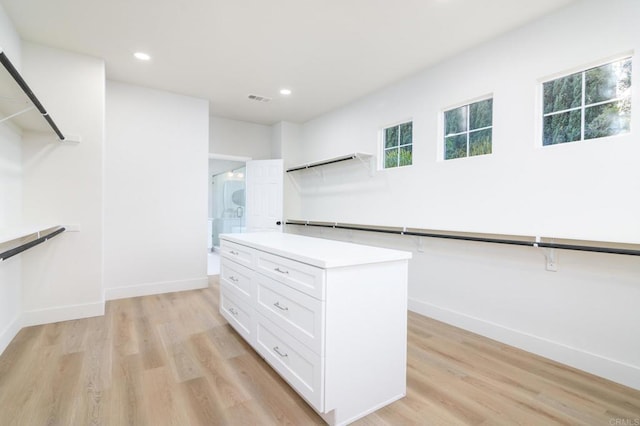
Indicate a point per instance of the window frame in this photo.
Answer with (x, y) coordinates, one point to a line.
(581, 69)
(382, 144)
(442, 150)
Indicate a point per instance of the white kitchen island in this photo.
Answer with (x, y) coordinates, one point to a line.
(330, 317)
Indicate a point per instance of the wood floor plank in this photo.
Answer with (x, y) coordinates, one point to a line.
(246, 413)
(121, 313)
(222, 377)
(96, 373)
(126, 405)
(204, 408)
(149, 343)
(164, 405)
(73, 335)
(276, 398)
(21, 392)
(228, 343)
(58, 395)
(180, 359)
(18, 359)
(172, 359)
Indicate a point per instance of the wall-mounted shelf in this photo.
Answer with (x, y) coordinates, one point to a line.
(360, 156)
(468, 236)
(15, 241)
(19, 104)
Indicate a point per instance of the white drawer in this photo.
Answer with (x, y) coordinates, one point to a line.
(237, 252)
(298, 314)
(238, 277)
(296, 363)
(239, 315)
(300, 276)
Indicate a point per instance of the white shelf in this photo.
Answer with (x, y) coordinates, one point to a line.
(16, 240)
(361, 156)
(9, 234)
(20, 105)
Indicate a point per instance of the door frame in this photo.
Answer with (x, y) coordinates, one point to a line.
(214, 156)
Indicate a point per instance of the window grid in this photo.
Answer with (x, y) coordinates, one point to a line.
(584, 105)
(467, 133)
(398, 147)
(548, 114)
(583, 100)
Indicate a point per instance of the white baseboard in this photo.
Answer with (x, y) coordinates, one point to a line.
(72, 312)
(154, 288)
(62, 313)
(626, 374)
(11, 331)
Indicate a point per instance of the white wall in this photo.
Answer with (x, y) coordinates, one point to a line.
(10, 198)
(286, 143)
(10, 40)
(239, 138)
(584, 314)
(156, 164)
(522, 188)
(62, 184)
(10, 207)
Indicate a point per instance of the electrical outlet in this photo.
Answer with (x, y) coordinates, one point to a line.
(551, 257)
(551, 265)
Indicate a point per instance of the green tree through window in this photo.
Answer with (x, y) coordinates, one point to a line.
(468, 130)
(398, 145)
(590, 104)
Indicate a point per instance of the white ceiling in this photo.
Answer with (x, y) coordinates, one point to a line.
(329, 52)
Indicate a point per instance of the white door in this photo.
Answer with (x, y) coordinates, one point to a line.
(264, 195)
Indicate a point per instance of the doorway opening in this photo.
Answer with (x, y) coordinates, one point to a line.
(243, 195)
(227, 203)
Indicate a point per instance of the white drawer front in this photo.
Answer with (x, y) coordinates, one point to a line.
(297, 313)
(300, 276)
(237, 253)
(238, 277)
(239, 315)
(298, 365)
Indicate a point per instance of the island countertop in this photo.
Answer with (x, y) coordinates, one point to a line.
(318, 252)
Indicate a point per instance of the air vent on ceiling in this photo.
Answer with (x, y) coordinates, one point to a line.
(259, 98)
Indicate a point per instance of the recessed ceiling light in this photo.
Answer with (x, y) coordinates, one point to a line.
(142, 56)
(285, 92)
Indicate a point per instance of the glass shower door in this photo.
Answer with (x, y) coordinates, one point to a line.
(228, 203)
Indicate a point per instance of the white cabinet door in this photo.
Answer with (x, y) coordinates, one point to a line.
(264, 195)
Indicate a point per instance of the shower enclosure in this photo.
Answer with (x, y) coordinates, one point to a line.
(227, 204)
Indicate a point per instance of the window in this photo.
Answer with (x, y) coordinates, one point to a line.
(398, 145)
(586, 105)
(468, 130)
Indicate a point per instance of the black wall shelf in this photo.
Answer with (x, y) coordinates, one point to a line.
(459, 236)
(355, 156)
(14, 101)
(18, 245)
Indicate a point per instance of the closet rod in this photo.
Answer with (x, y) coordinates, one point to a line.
(596, 249)
(323, 163)
(27, 90)
(17, 250)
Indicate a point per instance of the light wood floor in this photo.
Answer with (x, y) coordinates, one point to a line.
(173, 360)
